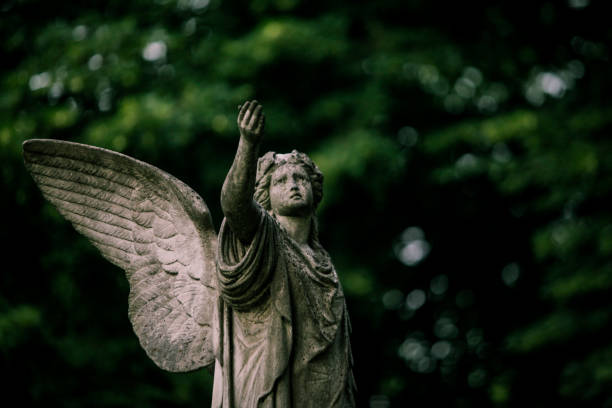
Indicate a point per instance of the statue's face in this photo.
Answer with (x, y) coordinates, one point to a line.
(291, 191)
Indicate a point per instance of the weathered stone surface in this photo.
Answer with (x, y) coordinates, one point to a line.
(262, 301)
(152, 226)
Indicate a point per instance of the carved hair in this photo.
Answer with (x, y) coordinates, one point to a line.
(269, 162)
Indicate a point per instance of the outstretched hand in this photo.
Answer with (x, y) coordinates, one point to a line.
(251, 121)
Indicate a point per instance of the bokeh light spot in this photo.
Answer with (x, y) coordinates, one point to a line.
(465, 88)
(467, 162)
(393, 299)
(501, 153)
(444, 328)
(413, 252)
(79, 33)
(552, 84)
(428, 74)
(189, 28)
(415, 299)
(441, 349)
(474, 337)
(510, 274)
(407, 136)
(154, 51)
(195, 5)
(39, 81)
(95, 62)
(412, 248)
(578, 4)
(56, 90)
(273, 30)
(411, 349)
(473, 74)
(487, 104)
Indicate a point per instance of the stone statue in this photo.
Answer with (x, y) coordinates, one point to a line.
(261, 301)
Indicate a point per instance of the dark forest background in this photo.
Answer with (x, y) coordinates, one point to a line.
(468, 179)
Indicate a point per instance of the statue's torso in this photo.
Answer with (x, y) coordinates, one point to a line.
(295, 344)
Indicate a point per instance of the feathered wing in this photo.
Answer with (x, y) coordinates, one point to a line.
(154, 227)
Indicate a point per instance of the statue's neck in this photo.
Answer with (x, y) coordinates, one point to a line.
(298, 228)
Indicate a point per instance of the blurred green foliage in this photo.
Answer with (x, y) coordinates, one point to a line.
(468, 163)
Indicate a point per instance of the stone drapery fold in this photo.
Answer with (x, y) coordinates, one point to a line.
(282, 324)
(245, 272)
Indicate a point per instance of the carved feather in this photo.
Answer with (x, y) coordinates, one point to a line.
(154, 227)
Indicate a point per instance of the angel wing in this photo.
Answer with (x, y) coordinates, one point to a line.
(154, 227)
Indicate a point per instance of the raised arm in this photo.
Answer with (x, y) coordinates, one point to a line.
(237, 201)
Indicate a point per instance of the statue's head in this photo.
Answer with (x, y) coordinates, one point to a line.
(288, 184)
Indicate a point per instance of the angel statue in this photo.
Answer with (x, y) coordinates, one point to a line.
(261, 300)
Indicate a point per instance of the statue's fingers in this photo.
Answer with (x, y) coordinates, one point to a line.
(243, 108)
(260, 123)
(247, 114)
(255, 116)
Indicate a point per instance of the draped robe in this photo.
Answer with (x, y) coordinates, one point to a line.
(282, 323)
